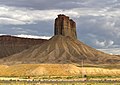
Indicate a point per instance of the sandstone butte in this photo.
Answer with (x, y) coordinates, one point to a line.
(62, 48)
(65, 26)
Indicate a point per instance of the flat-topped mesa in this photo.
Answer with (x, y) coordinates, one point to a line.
(65, 26)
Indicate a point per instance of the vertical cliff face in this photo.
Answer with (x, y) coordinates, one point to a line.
(65, 26)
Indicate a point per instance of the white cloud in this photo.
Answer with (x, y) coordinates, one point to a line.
(16, 15)
(115, 51)
(30, 36)
(104, 44)
(2, 34)
(100, 44)
(13, 15)
(110, 43)
(6, 21)
(33, 36)
(98, 12)
(17, 28)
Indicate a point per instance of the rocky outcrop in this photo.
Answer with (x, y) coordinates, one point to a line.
(10, 45)
(65, 26)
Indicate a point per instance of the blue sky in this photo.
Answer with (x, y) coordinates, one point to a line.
(98, 21)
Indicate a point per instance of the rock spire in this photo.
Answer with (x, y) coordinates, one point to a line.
(65, 26)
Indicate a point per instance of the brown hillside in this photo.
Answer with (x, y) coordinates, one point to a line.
(10, 45)
(61, 49)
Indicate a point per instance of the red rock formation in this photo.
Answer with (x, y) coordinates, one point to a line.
(65, 26)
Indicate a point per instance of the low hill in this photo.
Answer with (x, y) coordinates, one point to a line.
(10, 45)
(61, 49)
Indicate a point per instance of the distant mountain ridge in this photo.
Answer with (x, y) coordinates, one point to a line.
(10, 45)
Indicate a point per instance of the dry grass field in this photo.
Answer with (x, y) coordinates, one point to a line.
(57, 70)
(22, 83)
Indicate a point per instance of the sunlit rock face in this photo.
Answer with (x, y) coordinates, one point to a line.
(65, 26)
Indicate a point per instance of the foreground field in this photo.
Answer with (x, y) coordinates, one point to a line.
(22, 83)
(58, 70)
(59, 74)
